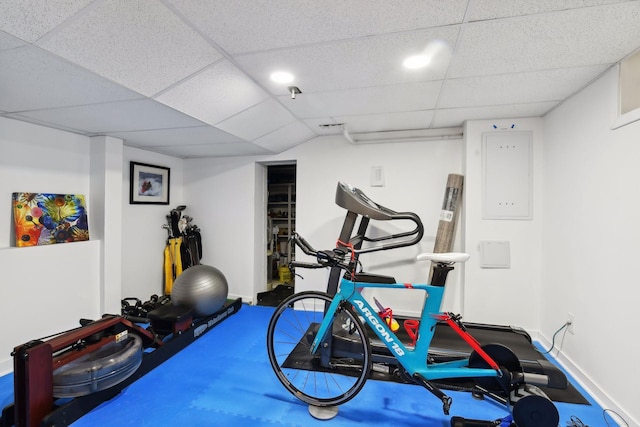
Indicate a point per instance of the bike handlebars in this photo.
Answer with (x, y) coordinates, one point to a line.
(326, 258)
(342, 257)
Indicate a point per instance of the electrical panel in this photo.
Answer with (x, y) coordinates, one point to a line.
(507, 175)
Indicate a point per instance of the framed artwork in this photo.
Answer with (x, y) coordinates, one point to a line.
(45, 218)
(149, 184)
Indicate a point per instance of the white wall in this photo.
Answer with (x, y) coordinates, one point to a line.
(591, 241)
(415, 180)
(502, 296)
(228, 190)
(106, 208)
(143, 239)
(45, 289)
(57, 285)
(50, 288)
(220, 193)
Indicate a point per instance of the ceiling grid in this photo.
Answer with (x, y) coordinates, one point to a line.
(192, 79)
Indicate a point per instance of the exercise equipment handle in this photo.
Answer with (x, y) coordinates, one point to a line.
(357, 203)
(417, 234)
(137, 319)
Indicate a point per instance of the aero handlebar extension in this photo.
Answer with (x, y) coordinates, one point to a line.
(328, 258)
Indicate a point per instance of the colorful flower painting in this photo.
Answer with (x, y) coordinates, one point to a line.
(45, 219)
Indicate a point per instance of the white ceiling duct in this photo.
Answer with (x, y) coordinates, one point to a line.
(403, 135)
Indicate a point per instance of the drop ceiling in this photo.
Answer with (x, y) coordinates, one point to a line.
(190, 78)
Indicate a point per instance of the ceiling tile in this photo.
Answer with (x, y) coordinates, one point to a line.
(374, 100)
(387, 121)
(263, 24)
(31, 79)
(212, 150)
(139, 44)
(9, 42)
(176, 136)
(551, 85)
(115, 116)
(209, 62)
(30, 20)
(570, 38)
(364, 62)
(258, 120)
(215, 94)
(493, 9)
(318, 125)
(45, 123)
(450, 117)
(285, 137)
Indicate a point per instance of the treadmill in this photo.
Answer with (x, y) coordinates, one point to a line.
(446, 345)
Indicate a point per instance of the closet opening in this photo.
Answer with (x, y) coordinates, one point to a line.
(281, 224)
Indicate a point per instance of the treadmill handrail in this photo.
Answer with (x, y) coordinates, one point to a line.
(417, 234)
(354, 200)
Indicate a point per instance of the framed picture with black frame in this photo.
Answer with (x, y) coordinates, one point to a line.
(149, 184)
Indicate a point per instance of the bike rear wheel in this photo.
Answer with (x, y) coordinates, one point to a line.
(317, 379)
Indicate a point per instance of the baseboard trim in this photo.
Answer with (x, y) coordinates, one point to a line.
(245, 299)
(6, 367)
(587, 384)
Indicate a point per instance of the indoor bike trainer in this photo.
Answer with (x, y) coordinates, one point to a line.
(350, 350)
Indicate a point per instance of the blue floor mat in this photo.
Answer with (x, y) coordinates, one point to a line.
(225, 379)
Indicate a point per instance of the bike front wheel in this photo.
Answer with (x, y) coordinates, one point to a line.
(340, 367)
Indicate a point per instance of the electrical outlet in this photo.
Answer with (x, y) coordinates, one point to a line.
(570, 321)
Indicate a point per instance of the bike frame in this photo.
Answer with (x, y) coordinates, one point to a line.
(413, 360)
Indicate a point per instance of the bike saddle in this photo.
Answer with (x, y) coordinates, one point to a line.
(446, 257)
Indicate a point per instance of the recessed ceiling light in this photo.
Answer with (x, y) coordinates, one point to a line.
(416, 61)
(282, 77)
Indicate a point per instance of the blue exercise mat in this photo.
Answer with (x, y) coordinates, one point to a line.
(225, 379)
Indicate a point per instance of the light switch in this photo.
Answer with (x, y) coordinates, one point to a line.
(377, 176)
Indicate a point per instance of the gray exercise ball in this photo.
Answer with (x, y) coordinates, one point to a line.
(201, 287)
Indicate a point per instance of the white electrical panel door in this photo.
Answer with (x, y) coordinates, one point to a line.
(507, 175)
